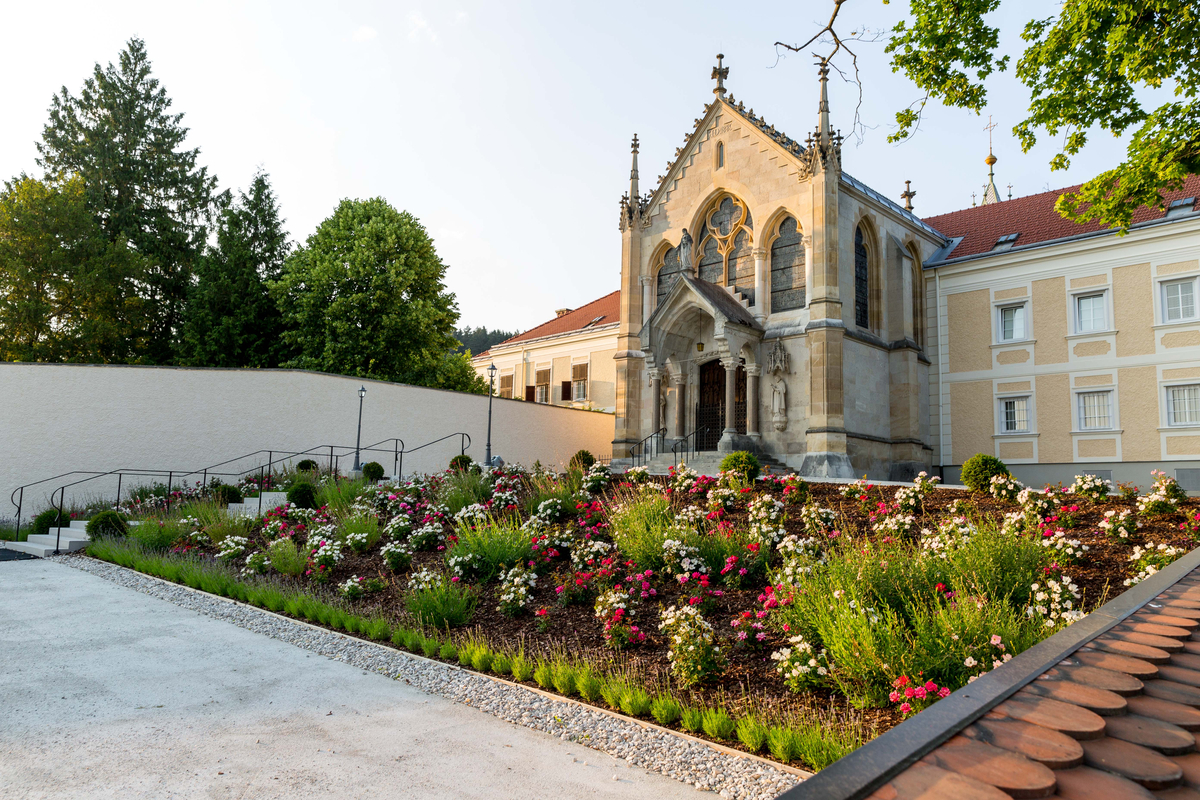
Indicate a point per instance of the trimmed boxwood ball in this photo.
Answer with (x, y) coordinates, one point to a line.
(461, 463)
(372, 471)
(742, 464)
(226, 494)
(48, 519)
(582, 460)
(302, 495)
(107, 523)
(307, 465)
(978, 471)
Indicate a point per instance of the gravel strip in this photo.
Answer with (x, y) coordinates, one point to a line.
(683, 759)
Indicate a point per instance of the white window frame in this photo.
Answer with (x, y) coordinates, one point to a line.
(1001, 419)
(1169, 409)
(1106, 321)
(1000, 309)
(538, 396)
(1080, 416)
(576, 395)
(1164, 307)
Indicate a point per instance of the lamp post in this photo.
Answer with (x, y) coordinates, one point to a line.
(491, 371)
(362, 392)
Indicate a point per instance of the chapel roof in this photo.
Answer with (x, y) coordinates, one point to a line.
(1033, 220)
(604, 311)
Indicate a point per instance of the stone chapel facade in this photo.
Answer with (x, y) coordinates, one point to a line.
(771, 302)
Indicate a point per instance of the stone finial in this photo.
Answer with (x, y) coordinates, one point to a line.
(907, 195)
(719, 74)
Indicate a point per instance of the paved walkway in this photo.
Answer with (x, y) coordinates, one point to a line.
(110, 693)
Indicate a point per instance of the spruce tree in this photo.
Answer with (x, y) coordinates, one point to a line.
(231, 320)
(141, 184)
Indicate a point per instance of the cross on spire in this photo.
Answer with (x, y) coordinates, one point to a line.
(719, 74)
(989, 128)
(635, 144)
(907, 195)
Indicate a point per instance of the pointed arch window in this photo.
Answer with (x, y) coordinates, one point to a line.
(787, 266)
(862, 285)
(918, 299)
(726, 240)
(720, 155)
(668, 269)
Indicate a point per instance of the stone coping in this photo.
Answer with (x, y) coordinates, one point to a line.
(1103, 708)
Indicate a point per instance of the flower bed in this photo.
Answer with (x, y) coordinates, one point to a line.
(789, 619)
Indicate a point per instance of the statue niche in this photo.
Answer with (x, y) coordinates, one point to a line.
(777, 368)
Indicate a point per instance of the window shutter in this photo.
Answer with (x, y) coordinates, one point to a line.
(566, 391)
(529, 393)
(579, 372)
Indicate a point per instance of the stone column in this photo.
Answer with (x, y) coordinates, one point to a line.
(647, 282)
(762, 291)
(680, 382)
(752, 373)
(655, 395)
(726, 443)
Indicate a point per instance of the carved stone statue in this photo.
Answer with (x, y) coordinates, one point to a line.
(662, 406)
(779, 401)
(685, 253)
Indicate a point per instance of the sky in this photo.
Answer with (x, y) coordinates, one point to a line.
(504, 127)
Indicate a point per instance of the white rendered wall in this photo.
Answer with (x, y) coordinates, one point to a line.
(55, 418)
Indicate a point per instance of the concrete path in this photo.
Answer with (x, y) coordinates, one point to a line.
(107, 692)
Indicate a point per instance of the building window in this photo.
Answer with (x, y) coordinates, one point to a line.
(506, 386)
(1183, 405)
(1014, 415)
(787, 267)
(723, 246)
(1095, 411)
(579, 380)
(720, 155)
(1012, 323)
(1179, 300)
(862, 287)
(542, 386)
(1091, 313)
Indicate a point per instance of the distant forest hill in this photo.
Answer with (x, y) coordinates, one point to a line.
(479, 339)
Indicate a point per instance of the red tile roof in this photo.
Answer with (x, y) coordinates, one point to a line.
(604, 311)
(1033, 217)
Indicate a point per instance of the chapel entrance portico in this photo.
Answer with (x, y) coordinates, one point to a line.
(701, 347)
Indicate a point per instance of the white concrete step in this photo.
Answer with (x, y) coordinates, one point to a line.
(66, 544)
(32, 548)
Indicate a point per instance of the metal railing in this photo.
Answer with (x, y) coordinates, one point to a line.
(687, 445)
(648, 448)
(57, 495)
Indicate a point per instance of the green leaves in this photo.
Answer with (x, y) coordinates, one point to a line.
(1088, 68)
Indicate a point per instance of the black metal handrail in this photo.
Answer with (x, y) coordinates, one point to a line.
(687, 445)
(464, 441)
(17, 497)
(640, 452)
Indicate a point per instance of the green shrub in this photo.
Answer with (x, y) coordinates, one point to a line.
(225, 494)
(501, 664)
(582, 461)
(302, 495)
(448, 652)
(718, 724)
(979, 469)
(751, 733)
(640, 525)
(286, 558)
(666, 709)
(563, 677)
(462, 488)
(782, 743)
(587, 683)
(361, 532)
(431, 646)
(481, 659)
(50, 518)
(340, 496)
(307, 465)
(489, 546)
(107, 523)
(372, 471)
(820, 742)
(692, 719)
(543, 674)
(741, 464)
(611, 690)
(522, 667)
(445, 603)
(461, 463)
(636, 702)
(156, 533)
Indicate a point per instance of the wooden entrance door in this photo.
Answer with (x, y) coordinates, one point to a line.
(710, 407)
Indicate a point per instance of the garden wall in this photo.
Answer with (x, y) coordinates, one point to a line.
(55, 418)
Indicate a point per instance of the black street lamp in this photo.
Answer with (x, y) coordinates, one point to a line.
(362, 392)
(491, 371)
